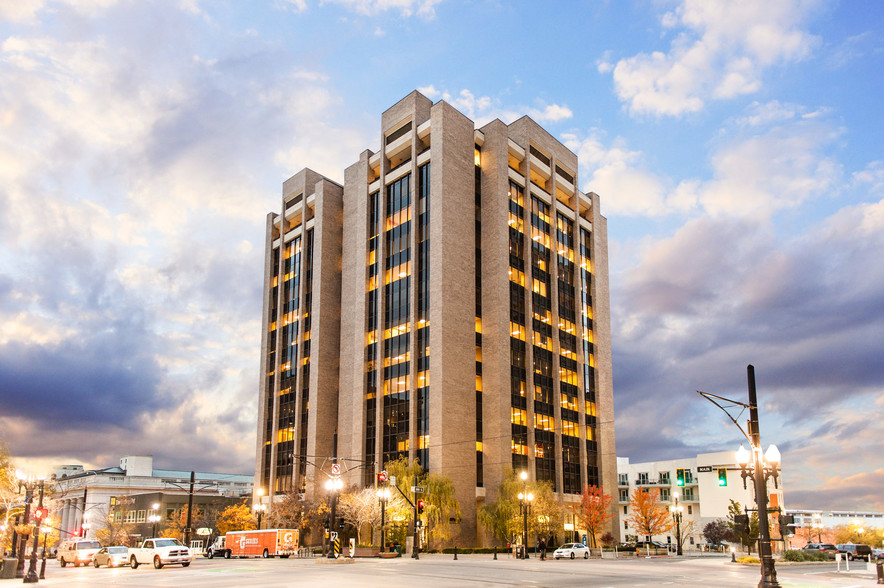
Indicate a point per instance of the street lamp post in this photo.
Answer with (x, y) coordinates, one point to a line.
(676, 511)
(30, 485)
(383, 497)
(32, 568)
(154, 518)
(761, 468)
(333, 485)
(259, 508)
(525, 499)
(46, 531)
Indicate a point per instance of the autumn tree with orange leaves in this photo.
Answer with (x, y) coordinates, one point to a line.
(592, 511)
(647, 514)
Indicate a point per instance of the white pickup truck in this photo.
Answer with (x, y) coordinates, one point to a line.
(160, 552)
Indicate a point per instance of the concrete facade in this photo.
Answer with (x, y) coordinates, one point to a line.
(427, 286)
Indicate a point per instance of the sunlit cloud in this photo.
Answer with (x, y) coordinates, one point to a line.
(720, 50)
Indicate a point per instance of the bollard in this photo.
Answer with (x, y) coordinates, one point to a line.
(880, 566)
(455, 553)
(495, 555)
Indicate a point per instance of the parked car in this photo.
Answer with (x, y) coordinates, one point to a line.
(572, 550)
(118, 555)
(77, 551)
(878, 554)
(651, 544)
(827, 549)
(855, 551)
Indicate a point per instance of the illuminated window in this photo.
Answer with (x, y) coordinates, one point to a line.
(544, 422)
(518, 416)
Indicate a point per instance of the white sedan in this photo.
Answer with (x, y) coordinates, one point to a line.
(572, 550)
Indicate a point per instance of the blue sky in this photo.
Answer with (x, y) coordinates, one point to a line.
(736, 148)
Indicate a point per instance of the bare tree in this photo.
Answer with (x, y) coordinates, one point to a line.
(360, 508)
(111, 530)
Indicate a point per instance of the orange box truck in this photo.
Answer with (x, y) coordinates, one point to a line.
(263, 543)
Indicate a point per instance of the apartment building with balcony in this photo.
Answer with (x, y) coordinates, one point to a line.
(703, 486)
(459, 316)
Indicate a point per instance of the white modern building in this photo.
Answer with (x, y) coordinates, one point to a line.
(81, 495)
(709, 482)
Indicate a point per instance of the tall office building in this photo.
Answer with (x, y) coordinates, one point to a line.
(472, 300)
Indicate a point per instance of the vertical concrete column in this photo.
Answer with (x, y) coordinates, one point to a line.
(63, 517)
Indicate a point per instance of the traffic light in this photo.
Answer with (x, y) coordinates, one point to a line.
(382, 477)
(741, 524)
(40, 513)
(679, 477)
(785, 521)
(420, 507)
(722, 476)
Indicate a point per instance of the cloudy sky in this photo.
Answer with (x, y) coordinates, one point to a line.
(737, 149)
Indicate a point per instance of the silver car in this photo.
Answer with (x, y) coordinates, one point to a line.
(572, 550)
(111, 557)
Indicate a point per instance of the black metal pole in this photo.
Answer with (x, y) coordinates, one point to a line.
(43, 563)
(383, 515)
(332, 554)
(678, 548)
(32, 568)
(15, 537)
(525, 524)
(189, 510)
(768, 570)
(23, 540)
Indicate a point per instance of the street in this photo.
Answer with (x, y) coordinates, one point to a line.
(436, 570)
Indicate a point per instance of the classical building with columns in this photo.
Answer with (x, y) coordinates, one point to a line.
(447, 303)
(83, 498)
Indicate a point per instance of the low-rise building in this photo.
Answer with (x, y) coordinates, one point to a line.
(703, 486)
(84, 498)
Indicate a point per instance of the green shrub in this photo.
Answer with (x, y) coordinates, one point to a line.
(794, 555)
(798, 555)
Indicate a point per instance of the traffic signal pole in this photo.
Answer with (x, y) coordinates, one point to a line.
(414, 550)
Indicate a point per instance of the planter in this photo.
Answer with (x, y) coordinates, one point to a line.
(366, 552)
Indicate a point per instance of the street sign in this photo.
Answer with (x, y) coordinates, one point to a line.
(417, 489)
(336, 469)
(203, 531)
(704, 468)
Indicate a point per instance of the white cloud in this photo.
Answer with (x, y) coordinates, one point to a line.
(615, 173)
(551, 113)
(296, 5)
(423, 8)
(720, 53)
(775, 167)
(430, 91)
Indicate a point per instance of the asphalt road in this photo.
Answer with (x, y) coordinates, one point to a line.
(433, 571)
